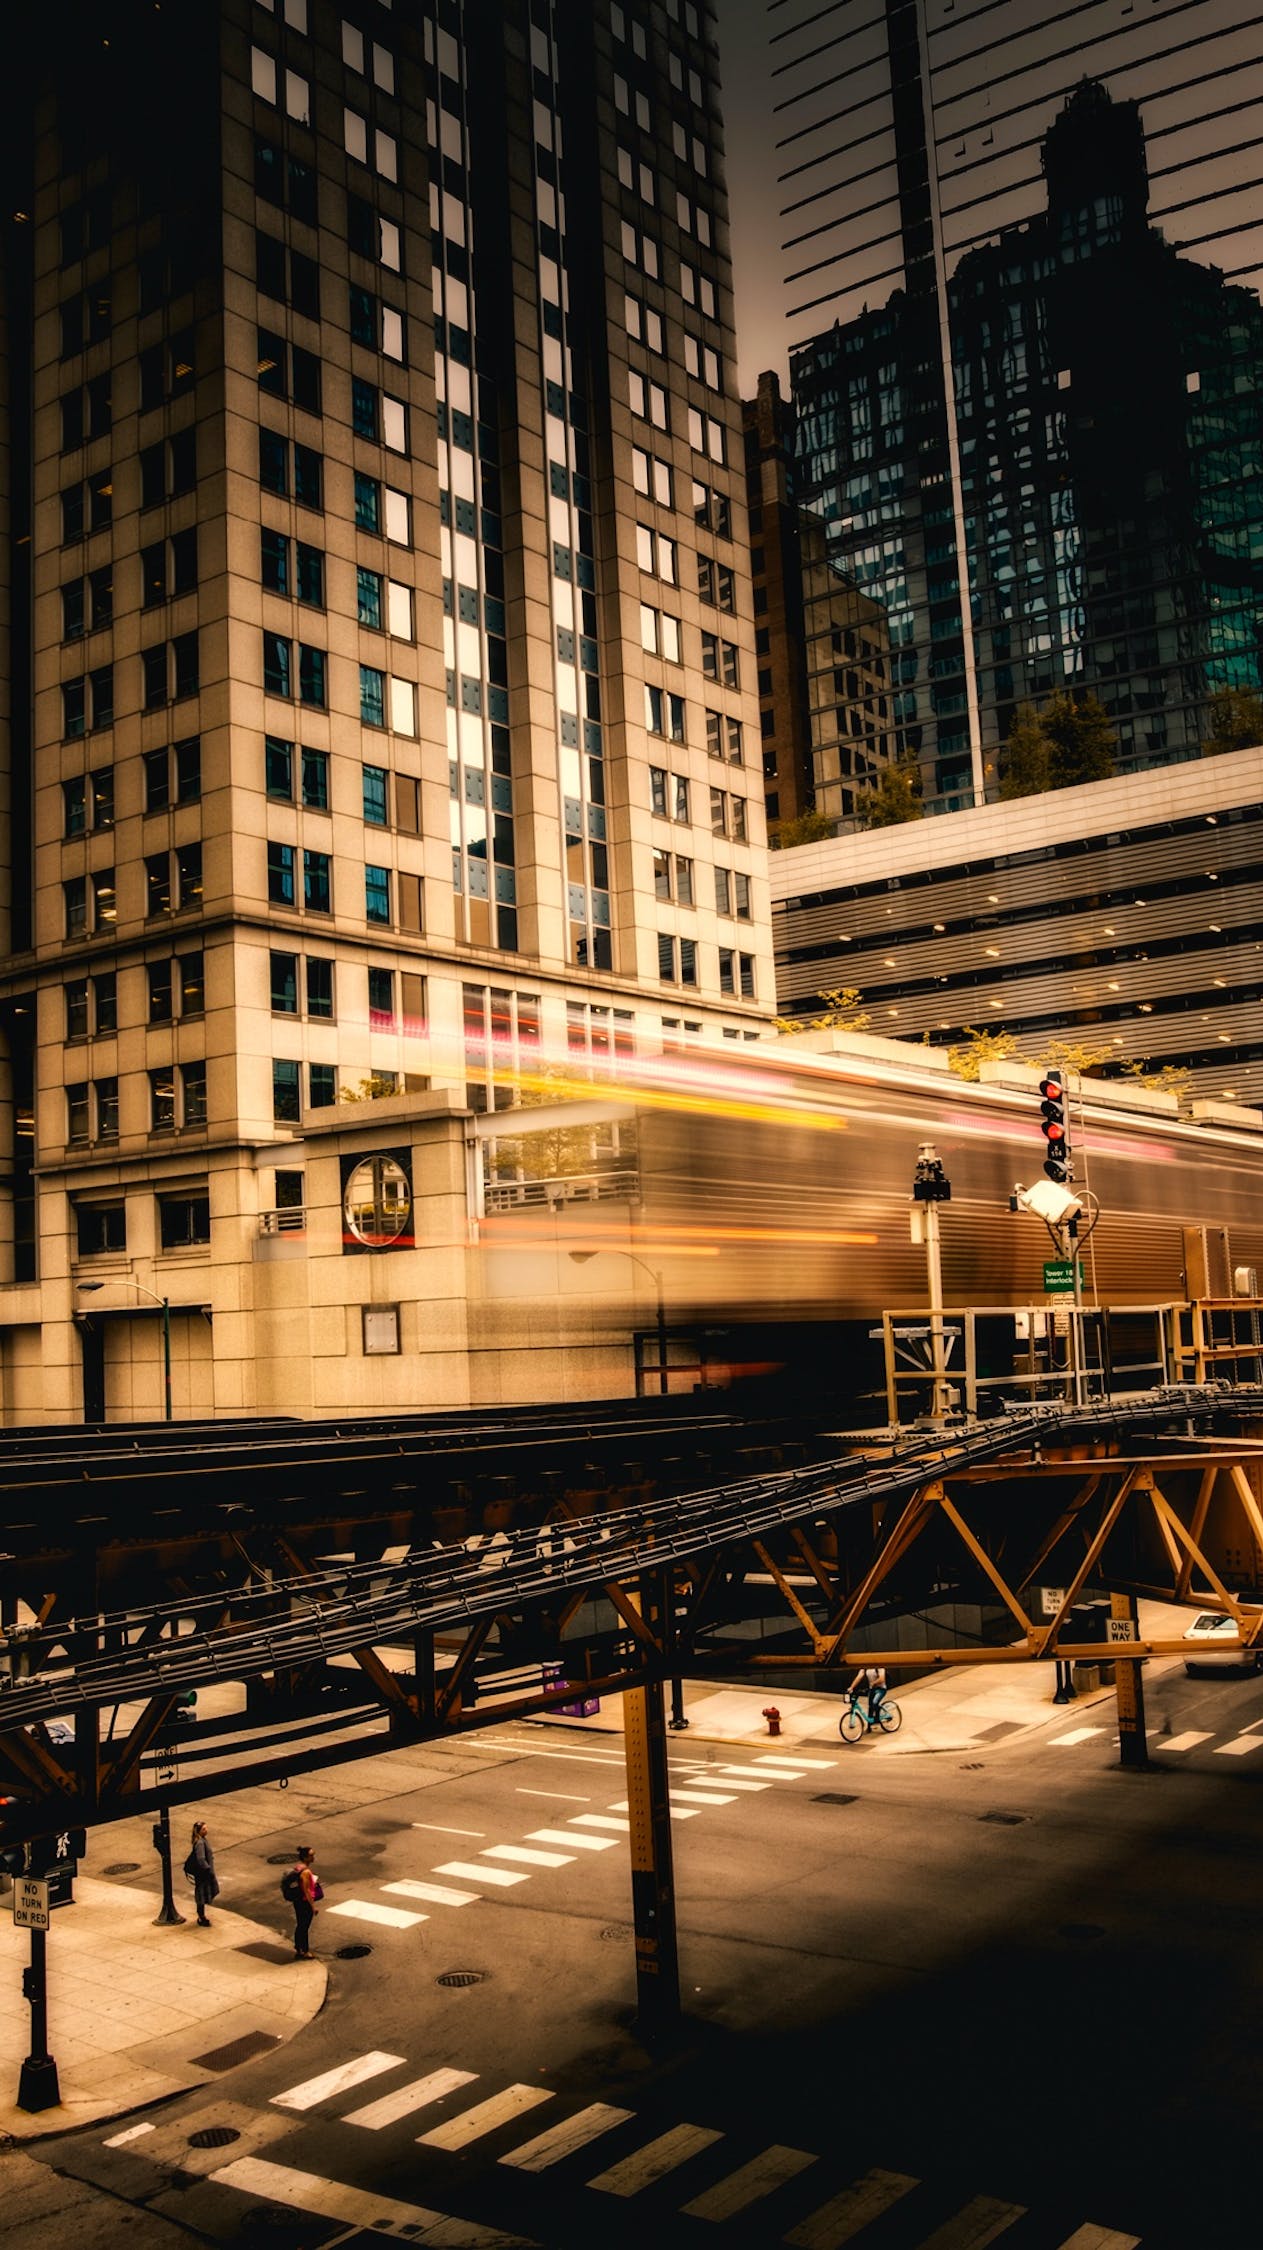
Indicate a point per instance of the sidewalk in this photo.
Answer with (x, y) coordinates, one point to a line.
(960, 1707)
(136, 2014)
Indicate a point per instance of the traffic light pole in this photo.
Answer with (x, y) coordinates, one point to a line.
(38, 2087)
(162, 1845)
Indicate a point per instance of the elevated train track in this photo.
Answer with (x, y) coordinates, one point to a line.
(450, 1609)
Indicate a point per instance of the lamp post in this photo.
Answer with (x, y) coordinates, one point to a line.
(87, 1288)
(930, 1187)
(581, 1257)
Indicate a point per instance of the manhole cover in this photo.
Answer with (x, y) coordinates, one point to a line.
(461, 1976)
(352, 1952)
(214, 2136)
(1081, 1933)
(618, 1930)
(281, 1859)
(122, 1867)
(1005, 1819)
(833, 1797)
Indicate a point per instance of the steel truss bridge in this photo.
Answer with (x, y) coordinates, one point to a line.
(328, 1590)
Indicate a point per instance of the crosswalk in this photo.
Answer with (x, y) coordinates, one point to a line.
(1241, 1744)
(793, 2194)
(499, 1868)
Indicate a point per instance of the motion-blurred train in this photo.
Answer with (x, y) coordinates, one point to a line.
(767, 1195)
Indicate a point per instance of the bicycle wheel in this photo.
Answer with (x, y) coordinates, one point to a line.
(851, 1726)
(889, 1717)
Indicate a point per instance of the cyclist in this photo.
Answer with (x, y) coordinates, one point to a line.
(871, 1681)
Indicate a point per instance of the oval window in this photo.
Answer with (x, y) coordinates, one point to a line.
(378, 1202)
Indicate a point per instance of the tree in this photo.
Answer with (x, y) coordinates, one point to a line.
(1236, 721)
(895, 799)
(841, 1012)
(1070, 740)
(809, 828)
(977, 1047)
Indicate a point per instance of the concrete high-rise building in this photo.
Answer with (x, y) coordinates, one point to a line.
(375, 561)
(1031, 422)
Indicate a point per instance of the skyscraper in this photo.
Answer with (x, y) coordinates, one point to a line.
(1028, 426)
(375, 562)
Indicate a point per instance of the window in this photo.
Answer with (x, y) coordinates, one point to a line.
(652, 477)
(278, 767)
(658, 790)
(365, 408)
(680, 791)
(190, 970)
(193, 1093)
(381, 1000)
(78, 1119)
(162, 1100)
(274, 565)
(315, 773)
(320, 987)
(159, 975)
(368, 503)
(280, 866)
(702, 361)
(168, 468)
(656, 554)
(284, 983)
(368, 584)
(720, 660)
(706, 435)
(377, 894)
(73, 610)
(322, 1082)
(374, 788)
(317, 886)
(184, 1220)
(372, 696)
(712, 511)
(76, 1003)
(74, 708)
(100, 1229)
(311, 676)
(277, 665)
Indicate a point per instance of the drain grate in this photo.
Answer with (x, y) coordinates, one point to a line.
(834, 1797)
(236, 2051)
(617, 1930)
(462, 1977)
(281, 1859)
(352, 1952)
(122, 1867)
(974, 1765)
(1082, 1933)
(214, 2136)
(1006, 1819)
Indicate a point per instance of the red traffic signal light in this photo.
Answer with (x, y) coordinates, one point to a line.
(1054, 1127)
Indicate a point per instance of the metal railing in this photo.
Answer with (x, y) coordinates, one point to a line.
(291, 1220)
(579, 1187)
(1047, 1350)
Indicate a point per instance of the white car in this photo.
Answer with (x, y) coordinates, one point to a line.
(1214, 1643)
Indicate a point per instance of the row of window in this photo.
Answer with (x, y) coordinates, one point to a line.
(175, 985)
(303, 985)
(673, 883)
(177, 1102)
(678, 964)
(169, 672)
(670, 798)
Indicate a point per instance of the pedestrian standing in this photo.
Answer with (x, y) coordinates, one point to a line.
(302, 1888)
(201, 1865)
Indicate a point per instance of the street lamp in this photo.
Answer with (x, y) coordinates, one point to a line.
(930, 1187)
(581, 1257)
(87, 1288)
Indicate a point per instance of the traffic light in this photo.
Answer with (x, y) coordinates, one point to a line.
(1053, 1125)
(13, 1859)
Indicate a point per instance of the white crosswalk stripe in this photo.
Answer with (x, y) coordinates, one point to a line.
(436, 1894)
(359, 2207)
(563, 2140)
(981, 2221)
(406, 2100)
(338, 2080)
(1100, 2238)
(1076, 1734)
(1186, 1741)
(485, 2117)
(796, 1765)
(578, 1843)
(750, 2183)
(655, 2160)
(132, 2133)
(725, 1778)
(846, 2215)
(524, 1856)
(367, 1910)
(677, 1811)
(1241, 1748)
(476, 1871)
(600, 1820)
(694, 1796)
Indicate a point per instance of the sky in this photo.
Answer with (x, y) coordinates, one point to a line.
(745, 60)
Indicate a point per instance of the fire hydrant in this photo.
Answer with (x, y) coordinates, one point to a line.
(773, 1717)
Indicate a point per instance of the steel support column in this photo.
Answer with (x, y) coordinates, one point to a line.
(652, 1881)
(1129, 1688)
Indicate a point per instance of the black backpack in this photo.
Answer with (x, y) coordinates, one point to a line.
(292, 1886)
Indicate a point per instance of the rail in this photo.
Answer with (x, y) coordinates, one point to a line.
(575, 1187)
(292, 1621)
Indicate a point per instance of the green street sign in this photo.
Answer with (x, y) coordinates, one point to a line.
(1059, 1277)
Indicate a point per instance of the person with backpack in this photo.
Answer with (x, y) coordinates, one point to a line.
(301, 1886)
(200, 1869)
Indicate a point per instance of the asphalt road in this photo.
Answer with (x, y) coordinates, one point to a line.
(1002, 1996)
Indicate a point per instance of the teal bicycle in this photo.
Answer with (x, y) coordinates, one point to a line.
(859, 1717)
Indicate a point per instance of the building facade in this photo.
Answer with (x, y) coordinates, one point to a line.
(1031, 426)
(375, 567)
(1126, 922)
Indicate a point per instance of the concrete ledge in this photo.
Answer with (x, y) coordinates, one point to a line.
(131, 2007)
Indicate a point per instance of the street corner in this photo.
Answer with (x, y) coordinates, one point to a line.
(138, 2013)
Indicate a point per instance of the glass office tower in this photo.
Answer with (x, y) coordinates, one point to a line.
(1023, 256)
